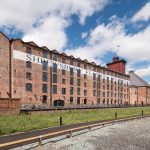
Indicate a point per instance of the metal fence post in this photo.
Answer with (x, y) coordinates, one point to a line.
(115, 115)
(60, 121)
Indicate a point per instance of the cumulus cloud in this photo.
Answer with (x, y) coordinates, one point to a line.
(143, 72)
(143, 14)
(113, 38)
(46, 19)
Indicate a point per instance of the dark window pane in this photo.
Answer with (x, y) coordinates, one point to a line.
(28, 87)
(44, 77)
(54, 67)
(78, 91)
(71, 90)
(54, 78)
(71, 71)
(28, 75)
(63, 81)
(28, 50)
(78, 72)
(63, 72)
(54, 89)
(44, 88)
(71, 100)
(71, 80)
(63, 90)
(28, 64)
(78, 100)
(71, 62)
(45, 54)
(78, 82)
(44, 65)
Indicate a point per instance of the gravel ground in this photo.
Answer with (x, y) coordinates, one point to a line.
(133, 135)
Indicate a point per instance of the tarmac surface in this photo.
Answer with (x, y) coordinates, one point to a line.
(131, 135)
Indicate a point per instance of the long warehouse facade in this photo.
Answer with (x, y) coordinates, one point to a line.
(45, 78)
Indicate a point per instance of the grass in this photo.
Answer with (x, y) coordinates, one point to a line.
(13, 124)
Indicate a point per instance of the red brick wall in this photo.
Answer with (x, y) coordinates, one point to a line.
(9, 107)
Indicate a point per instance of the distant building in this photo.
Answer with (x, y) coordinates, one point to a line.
(43, 77)
(139, 90)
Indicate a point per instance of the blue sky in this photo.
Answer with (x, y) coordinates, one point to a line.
(95, 30)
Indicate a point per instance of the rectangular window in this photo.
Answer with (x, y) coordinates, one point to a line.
(78, 82)
(71, 80)
(85, 85)
(107, 93)
(44, 77)
(78, 91)
(78, 64)
(94, 92)
(63, 81)
(63, 60)
(94, 84)
(28, 87)
(94, 76)
(54, 68)
(85, 66)
(44, 88)
(63, 90)
(85, 92)
(85, 76)
(44, 65)
(54, 78)
(78, 100)
(78, 72)
(71, 71)
(107, 86)
(45, 54)
(28, 76)
(63, 72)
(103, 94)
(28, 50)
(54, 89)
(28, 64)
(71, 90)
(71, 100)
(71, 62)
(54, 57)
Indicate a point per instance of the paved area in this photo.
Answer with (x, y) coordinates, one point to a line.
(132, 135)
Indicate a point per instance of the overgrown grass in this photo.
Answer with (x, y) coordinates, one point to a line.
(12, 124)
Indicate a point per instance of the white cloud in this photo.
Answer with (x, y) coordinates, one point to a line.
(46, 19)
(143, 14)
(84, 35)
(143, 72)
(113, 37)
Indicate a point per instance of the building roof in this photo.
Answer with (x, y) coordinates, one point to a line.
(135, 80)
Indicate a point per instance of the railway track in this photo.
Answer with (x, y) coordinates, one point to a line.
(24, 138)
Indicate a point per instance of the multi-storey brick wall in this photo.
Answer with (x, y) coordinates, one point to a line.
(4, 66)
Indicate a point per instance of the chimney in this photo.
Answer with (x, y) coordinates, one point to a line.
(117, 65)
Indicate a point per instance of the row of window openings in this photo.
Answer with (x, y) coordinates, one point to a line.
(54, 57)
(44, 90)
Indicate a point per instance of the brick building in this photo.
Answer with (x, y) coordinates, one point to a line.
(45, 78)
(139, 90)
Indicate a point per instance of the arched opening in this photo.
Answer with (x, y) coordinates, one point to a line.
(59, 103)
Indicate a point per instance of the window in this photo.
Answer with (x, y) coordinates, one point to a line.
(44, 77)
(107, 93)
(28, 64)
(78, 64)
(28, 75)
(85, 66)
(78, 72)
(28, 87)
(78, 100)
(54, 89)
(85, 76)
(63, 90)
(28, 50)
(55, 67)
(54, 57)
(103, 94)
(54, 78)
(71, 62)
(44, 65)
(94, 76)
(71, 80)
(71, 100)
(63, 81)
(45, 54)
(71, 71)
(44, 99)
(107, 86)
(78, 82)
(71, 90)
(94, 84)
(63, 72)
(44, 88)
(85, 92)
(63, 60)
(78, 91)
(85, 85)
(99, 94)
(94, 92)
